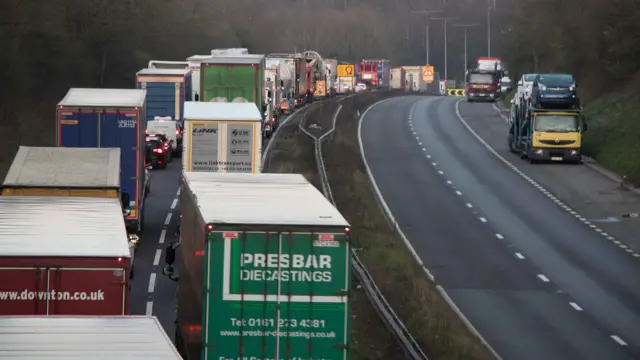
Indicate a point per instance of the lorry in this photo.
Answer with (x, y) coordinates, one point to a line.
(167, 90)
(102, 337)
(222, 137)
(63, 256)
(233, 79)
(482, 85)
(368, 74)
(397, 78)
(230, 52)
(298, 63)
(315, 69)
(273, 90)
(107, 118)
(539, 134)
(287, 91)
(413, 79)
(264, 269)
(383, 70)
(331, 72)
(194, 65)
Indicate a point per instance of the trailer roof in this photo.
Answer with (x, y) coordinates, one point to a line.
(235, 59)
(107, 98)
(221, 111)
(52, 226)
(198, 57)
(172, 72)
(84, 337)
(64, 167)
(261, 199)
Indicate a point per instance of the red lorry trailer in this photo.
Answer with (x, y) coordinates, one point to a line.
(368, 72)
(63, 256)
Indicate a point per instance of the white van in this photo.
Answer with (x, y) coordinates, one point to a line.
(171, 128)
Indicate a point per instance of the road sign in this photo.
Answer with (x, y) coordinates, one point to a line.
(346, 70)
(427, 74)
(456, 92)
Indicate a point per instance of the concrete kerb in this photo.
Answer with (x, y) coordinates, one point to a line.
(398, 230)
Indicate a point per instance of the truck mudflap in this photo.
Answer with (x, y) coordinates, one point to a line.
(64, 291)
(277, 295)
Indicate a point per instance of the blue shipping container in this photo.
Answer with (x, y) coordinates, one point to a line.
(167, 90)
(384, 71)
(109, 118)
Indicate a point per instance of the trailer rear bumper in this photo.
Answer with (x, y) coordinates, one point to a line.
(555, 155)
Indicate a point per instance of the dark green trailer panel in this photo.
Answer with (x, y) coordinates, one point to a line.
(264, 274)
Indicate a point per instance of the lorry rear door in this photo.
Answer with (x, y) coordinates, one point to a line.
(88, 291)
(231, 82)
(22, 291)
(123, 129)
(163, 98)
(78, 128)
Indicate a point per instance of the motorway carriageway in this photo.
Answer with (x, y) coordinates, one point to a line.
(532, 274)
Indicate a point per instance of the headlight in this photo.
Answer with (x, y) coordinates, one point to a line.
(134, 240)
(572, 88)
(543, 87)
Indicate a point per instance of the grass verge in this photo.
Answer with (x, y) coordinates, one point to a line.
(293, 152)
(415, 299)
(614, 130)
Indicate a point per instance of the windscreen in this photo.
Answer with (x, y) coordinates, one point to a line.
(160, 128)
(481, 79)
(556, 78)
(530, 77)
(556, 123)
(153, 144)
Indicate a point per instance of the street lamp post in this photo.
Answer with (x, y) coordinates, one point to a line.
(445, 20)
(490, 7)
(465, 27)
(426, 35)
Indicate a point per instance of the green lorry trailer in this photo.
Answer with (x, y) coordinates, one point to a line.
(265, 269)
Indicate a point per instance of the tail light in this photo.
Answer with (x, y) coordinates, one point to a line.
(166, 146)
(177, 132)
(159, 151)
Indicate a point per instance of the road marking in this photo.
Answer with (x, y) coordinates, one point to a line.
(178, 193)
(575, 306)
(449, 182)
(434, 164)
(617, 339)
(428, 156)
(168, 220)
(420, 143)
(519, 256)
(440, 172)
(152, 282)
(458, 192)
(174, 203)
(483, 220)
(156, 259)
(529, 179)
(163, 234)
(149, 310)
(469, 205)
(423, 149)
(543, 278)
(500, 236)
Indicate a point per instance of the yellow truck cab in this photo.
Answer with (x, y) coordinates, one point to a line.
(547, 134)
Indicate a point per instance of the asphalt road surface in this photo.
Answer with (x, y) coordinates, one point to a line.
(537, 281)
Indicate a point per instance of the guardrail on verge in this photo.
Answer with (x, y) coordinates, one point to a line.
(384, 310)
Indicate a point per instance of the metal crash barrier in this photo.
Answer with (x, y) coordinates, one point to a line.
(455, 92)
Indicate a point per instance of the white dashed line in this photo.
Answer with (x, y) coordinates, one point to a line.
(500, 236)
(152, 282)
(469, 205)
(168, 219)
(458, 193)
(543, 278)
(519, 256)
(428, 156)
(575, 306)
(178, 193)
(174, 203)
(483, 220)
(440, 172)
(149, 310)
(156, 258)
(617, 339)
(434, 164)
(449, 182)
(163, 235)
(534, 183)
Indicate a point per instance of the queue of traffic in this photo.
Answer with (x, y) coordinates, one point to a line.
(276, 252)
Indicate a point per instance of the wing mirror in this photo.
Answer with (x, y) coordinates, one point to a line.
(520, 83)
